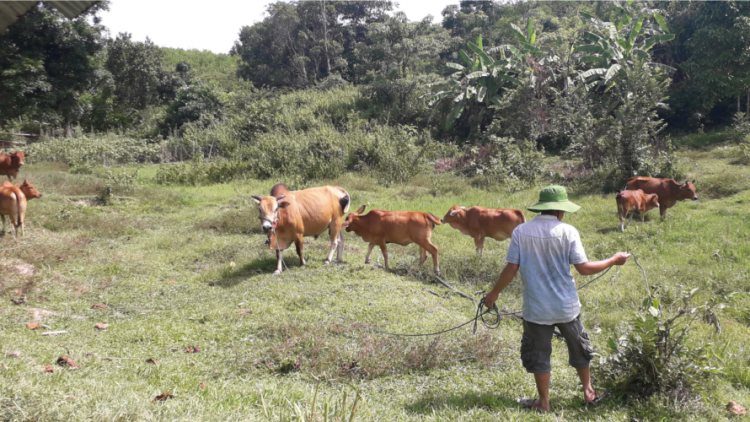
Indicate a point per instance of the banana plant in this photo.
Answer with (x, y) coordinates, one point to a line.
(627, 42)
(481, 79)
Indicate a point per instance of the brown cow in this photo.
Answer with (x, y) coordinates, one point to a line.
(668, 190)
(10, 164)
(379, 227)
(635, 201)
(480, 222)
(13, 203)
(289, 216)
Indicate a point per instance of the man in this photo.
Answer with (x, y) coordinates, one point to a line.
(543, 250)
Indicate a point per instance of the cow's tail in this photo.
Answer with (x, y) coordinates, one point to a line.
(345, 201)
(431, 218)
(521, 215)
(620, 205)
(18, 209)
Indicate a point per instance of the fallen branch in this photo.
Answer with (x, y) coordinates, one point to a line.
(54, 333)
(112, 358)
(430, 291)
(464, 295)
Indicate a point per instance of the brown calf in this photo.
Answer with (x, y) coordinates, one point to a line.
(13, 204)
(668, 190)
(380, 227)
(480, 222)
(289, 216)
(634, 201)
(11, 163)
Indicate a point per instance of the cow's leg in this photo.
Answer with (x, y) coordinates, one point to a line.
(299, 244)
(479, 243)
(369, 250)
(433, 250)
(384, 249)
(279, 257)
(422, 255)
(3, 232)
(630, 219)
(622, 222)
(663, 211)
(643, 216)
(340, 248)
(334, 231)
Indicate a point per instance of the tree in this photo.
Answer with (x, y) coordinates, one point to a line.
(137, 71)
(49, 65)
(198, 104)
(397, 45)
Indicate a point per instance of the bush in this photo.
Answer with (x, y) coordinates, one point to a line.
(390, 154)
(198, 104)
(84, 152)
(654, 356)
(504, 161)
(199, 172)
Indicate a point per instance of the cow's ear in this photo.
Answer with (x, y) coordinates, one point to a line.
(463, 208)
(361, 209)
(280, 197)
(256, 198)
(284, 204)
(453, 213)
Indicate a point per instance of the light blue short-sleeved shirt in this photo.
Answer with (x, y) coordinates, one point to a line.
(545, 248)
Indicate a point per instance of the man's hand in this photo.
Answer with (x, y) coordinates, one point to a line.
(489, 300)
(620, 258)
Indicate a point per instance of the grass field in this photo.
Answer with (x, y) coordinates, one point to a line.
(187, 266)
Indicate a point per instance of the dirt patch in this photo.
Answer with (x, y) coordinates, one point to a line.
(16, 267)
(37, 314)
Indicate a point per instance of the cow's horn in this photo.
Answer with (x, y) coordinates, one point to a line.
(280, 197)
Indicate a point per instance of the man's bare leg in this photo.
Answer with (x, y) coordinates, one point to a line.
(585, 375)
(542, 386)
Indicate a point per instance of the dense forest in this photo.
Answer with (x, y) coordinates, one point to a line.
(319, 88)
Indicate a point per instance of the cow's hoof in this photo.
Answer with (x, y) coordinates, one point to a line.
(326, 262)
(277, 272)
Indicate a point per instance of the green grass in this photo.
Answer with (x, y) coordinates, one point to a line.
(176, 266)
(701, 139)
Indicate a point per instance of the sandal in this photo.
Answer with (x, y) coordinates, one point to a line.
(597, 399)
(529, 404)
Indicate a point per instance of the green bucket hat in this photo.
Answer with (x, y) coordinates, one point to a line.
(554, 198)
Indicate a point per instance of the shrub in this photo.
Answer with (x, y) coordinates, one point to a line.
(199, 172)
(83, 152)
(503, 160)
(654, 356)
(198, 104)
(740, 128)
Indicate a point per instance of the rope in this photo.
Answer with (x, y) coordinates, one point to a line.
(495, 316)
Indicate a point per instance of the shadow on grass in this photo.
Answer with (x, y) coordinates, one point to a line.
(463, 402)
(607, 230)
(233, 277)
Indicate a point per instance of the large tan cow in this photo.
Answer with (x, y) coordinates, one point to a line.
(13, 204)
(480, 222)
(380, 227)
(11, 163)
(288, 216)
(669, 190)
(635, 201)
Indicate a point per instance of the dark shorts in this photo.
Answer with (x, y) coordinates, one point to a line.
(536, 345)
